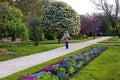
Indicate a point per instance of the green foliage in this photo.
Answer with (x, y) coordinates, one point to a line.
(106, 27)
(36, 35)
(118, 30)
(33, 23)
(48, 76)
(62, 76)
(59, 17)
(60, 69)
(22, 32)
(11, 21)
(77, 66)
(31, 7)
(71, 70)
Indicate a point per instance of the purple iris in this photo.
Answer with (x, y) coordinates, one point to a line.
(26, 78)
(49, 69)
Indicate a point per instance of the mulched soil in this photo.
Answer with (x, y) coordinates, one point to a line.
(4, 52)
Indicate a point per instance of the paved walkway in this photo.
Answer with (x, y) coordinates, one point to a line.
(15, 65)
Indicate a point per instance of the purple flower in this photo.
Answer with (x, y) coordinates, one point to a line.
(26, 78)
(71, 57)
(85, 51)
(49, 69)
(61, 61)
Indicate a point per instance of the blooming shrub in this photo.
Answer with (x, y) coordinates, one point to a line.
(66, 67)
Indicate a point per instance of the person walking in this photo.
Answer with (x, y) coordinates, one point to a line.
(66, 37)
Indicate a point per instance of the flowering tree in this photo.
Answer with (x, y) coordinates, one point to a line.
(59, 17)
(85, 25)
(90, 24)
(95, 25)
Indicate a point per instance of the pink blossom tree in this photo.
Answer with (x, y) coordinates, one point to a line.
(90, 24)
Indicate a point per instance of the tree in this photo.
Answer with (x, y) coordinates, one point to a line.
(85, 26)
(96, 24)
(32, 10)
(31, 7)
(22, 32)
(111, 10)
(35, 29)
(90, 24)
(59, 17)
(10, 21)
(36, 35)
(106, 27)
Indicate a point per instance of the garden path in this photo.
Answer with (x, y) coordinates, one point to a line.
(15, 65)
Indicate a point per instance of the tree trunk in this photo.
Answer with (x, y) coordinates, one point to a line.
(13, 37)
(94, 35)
(59, 39)
(0, 38)
(116, 30)
(118, 36)
(87, 35)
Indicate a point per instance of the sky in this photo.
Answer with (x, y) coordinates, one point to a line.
(82, 6)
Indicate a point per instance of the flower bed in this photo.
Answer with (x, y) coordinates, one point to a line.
(65, 68)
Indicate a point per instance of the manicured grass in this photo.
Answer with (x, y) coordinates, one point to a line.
(104, 67)
(112, 40)
(18, 51)
(39, 67)
(26, 48)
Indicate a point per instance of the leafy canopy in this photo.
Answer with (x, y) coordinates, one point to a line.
(59, 17)
(11, 21)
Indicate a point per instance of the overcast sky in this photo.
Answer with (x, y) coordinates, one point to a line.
(82, 6)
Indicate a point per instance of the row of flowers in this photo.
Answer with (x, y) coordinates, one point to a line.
(63, 69)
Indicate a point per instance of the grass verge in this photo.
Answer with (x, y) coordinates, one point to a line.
(111, 40)
(104, 67)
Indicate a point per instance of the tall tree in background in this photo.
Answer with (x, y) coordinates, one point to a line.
(32, 10)
(31, 7)
(85, 25)
(28, 7)
(111, 10)
(95, 25)
(10, 21)
(106, 27)
(35, 30)
(59, 17)
(90, 24)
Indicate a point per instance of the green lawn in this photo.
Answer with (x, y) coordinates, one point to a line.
(112, 40)
(18, 51)
(26, 48)
(104, 67)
